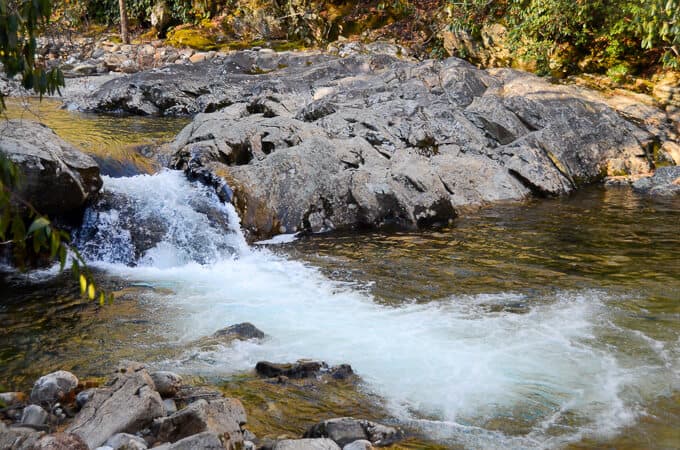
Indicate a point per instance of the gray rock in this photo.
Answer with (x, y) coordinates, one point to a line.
(373, 140)
(224, 416)
(206, 440)
(128, 403)
(34, 415)
(57, 178)
(346, 430)
(306, 444)
(61, 441)
(167, 383)
(17, 438)
(83, 397)
(664, 182)
(125, 441)
(170, 406)
(53, 387)
(359, 445)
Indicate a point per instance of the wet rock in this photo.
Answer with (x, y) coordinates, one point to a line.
(359, 445)
(167, 383)
(34, 415)
(224, 416)
(54, 387)
(664, 182)
(341, 372)
(125, 441)
(306, 444)
(56, 178)
(241, 331)
(346, 430)
(300, 369)
(128, 403)
(61, 441)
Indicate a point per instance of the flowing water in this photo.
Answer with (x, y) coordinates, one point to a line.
(542, 325)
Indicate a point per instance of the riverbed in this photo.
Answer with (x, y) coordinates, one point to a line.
(548, 323)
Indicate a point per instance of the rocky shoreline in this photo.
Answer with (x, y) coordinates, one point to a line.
(138, 408)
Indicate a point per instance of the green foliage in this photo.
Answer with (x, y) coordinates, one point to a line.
(20, 20)
(553, 33)
(41, 238)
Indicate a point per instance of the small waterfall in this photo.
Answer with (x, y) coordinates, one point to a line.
(160, 220)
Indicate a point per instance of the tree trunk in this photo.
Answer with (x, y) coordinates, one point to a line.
(125, 37)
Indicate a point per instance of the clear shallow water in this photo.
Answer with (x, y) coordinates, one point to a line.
(121, 146)
(540, 325)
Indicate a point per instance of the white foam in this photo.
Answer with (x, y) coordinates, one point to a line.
(280, 239)
(457, 359)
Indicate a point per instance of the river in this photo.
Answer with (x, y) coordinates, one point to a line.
(547, 324)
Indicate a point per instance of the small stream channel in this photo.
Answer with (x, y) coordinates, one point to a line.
(548, 324)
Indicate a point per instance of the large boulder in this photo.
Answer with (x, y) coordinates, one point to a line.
(372, 141)
(345, 430)
(56, 178)
(127, 404)
(224, 416)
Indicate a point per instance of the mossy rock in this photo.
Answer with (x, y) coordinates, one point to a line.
(188, 37)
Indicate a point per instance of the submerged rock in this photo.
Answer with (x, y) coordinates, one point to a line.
(128, 403)
(346, 430)
(56, 178)
(664, 182)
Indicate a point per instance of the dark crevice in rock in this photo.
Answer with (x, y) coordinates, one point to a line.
(535, 190)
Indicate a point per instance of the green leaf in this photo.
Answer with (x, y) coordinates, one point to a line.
(38, 224)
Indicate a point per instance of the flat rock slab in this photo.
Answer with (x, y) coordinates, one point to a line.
(127, 404)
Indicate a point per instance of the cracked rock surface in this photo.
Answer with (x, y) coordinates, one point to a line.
(316, 142)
